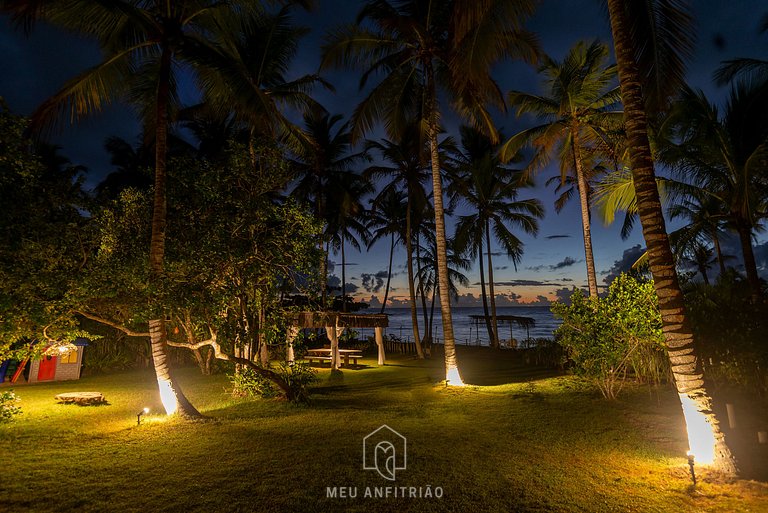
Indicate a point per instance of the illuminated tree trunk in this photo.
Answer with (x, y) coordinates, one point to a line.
(451, 362)
(705, 438)
(170, 393)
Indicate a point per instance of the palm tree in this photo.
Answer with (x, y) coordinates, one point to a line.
(427, 276)
(705, 220)
(325, 152)
(387, 217)
(652, 40)
(578, 109)
(422, 47)
(724, 156)
(491, 190)
(246, 76)
(744, 67)
(698, 255)
(346, 218)
(144, 43)
(408, 157)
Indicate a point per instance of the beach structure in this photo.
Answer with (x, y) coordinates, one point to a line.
(334, 324)
(523, 322)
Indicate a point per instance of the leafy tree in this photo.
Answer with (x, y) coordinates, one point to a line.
(224, 268)
(41, 243)
(730, 332)
(606, 338)
(144, 46)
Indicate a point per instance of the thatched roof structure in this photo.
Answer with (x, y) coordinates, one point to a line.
(348, 320)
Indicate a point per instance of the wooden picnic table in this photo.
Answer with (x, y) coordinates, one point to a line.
(325, 354)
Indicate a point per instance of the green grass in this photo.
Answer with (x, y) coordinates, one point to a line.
(525, 441)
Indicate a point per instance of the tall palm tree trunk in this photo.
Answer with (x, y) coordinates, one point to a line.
(343, 278)
(750, 266)
(491, 291)
(686, 368)
(171, 395)
(582, 185)
(703, 271)
(451, 362)
(719, 253)
(411, 285)
(484, 295)
(428, 349)
(422, 294)
(324, 273)
(389, 273)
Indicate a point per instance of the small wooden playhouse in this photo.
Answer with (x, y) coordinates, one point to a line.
(59, 366)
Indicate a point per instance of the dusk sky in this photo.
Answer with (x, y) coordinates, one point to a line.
(36, 67)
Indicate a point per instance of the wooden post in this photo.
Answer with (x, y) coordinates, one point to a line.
(380, 344)
(290, 336)
(333, 334)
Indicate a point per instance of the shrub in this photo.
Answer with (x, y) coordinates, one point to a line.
(8, 408)
(608, 338)
(247, 383)
(730, 333)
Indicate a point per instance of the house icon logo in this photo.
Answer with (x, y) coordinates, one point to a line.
(384, 450)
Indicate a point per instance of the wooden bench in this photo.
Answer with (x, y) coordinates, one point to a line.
(346, 358)
(320, 359)
(353, 357)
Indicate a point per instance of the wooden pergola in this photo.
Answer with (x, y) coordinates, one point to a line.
(523, 322)
(335, 323)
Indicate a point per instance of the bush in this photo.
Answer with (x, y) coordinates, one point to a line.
(730, 333)
(542, 351)
(247, 383)
(8, 408)
(608, 338)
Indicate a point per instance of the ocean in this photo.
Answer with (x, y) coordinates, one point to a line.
(464, 328)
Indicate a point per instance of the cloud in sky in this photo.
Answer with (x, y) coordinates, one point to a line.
(566, 262)
(563, 236)
(374, 282)
(624, 264)
(523, 283)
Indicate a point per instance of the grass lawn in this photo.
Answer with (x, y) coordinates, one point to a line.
(526, 440)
